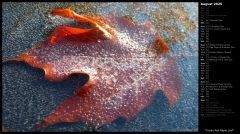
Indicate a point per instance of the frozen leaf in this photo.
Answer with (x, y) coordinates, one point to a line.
(126, 64)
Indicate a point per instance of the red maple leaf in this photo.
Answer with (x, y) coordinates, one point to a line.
(126, 64)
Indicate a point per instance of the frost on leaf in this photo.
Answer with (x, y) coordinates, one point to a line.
(126, 64)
